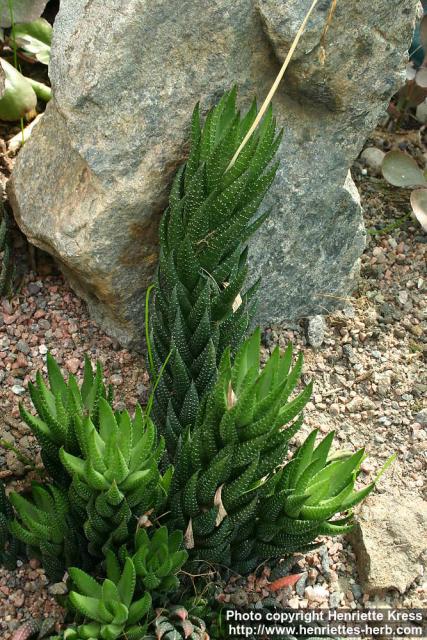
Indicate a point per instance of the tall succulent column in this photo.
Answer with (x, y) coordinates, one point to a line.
(200, 306)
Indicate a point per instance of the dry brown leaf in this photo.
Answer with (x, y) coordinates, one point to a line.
(189, 536)
(231, 397)
(221, 509)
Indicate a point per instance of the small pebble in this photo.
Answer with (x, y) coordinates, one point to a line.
(73, 365)
(18, 390)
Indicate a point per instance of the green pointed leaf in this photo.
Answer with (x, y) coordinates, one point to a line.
(56, 380)
(86, 585)
(139, 609)
(126, 585)
(87, 606)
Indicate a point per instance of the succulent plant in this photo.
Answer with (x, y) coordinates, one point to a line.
(110, 609)
(302, 499)
(238, 440)
(60, 407)
(35, 630)
(115, 479)
(113, 475)
(10, 547)
(207, 607)
(46, 525)
(26, 631)
(231, 494)
(158, 559)
(200, 307)
(176, 623)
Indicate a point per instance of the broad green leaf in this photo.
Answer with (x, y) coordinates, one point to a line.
(126, 585)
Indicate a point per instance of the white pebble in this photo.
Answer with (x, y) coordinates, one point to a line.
(18, 390)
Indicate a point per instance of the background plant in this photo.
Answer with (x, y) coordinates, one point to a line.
(34, 40)
(400, 170)
(178, 623)
(414, 92)
(20, 94)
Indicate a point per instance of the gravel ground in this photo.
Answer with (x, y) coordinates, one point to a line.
(370, 387)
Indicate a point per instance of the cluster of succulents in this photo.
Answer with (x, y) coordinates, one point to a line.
(61, 409)
(116, 479)
(131, 499)
(158, 558)
(45, 524)
(230, 489)
(238, 440)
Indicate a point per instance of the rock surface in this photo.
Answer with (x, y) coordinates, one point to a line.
(90, 185)
(23, 11)
(390, 539)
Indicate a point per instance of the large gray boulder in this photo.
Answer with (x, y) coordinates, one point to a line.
(91, 184)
